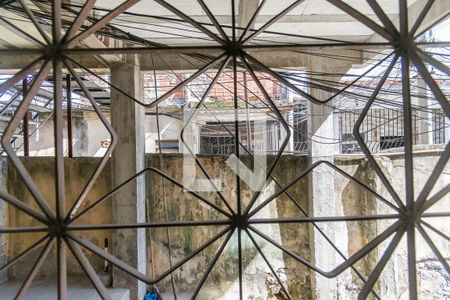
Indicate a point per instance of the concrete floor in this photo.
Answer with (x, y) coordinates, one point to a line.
(180, 296)
(79, 289)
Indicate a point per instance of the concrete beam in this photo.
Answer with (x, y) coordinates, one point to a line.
(288, 19)
(439, 10)
(306, 58)
(90, 42)
(246, 11)
(13, 64)
(278, 59)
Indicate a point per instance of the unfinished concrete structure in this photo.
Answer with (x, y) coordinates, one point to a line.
(262, 220)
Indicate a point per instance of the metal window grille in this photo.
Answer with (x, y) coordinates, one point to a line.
(56, 53)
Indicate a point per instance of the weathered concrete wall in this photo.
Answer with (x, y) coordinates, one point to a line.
(352, 200)
(42, 144)
(89, 133)
(433, 282)
(77, 172)
(349, 197)
(223, 280)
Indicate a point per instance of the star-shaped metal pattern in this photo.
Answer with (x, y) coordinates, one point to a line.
(55, 54)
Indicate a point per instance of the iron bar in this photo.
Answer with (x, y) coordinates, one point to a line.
(236, 135)
(198, 162)
(61, 266)
(409, 217)
(432, 179)
(383, 17)
(79, 200)
(213, 20)
(88, 269)
(240, 266)
(161, 166)
(187, 81)
(277, 76)
(412, 269)
(274, 273)
(191, 21)
(431, 60)
(435, 230)
(435, 214)
(433, 247)
(58, 123)
(429, 26)
(142, 50)
(165, 224)
(212, 264)
(35, 22)
(21, 205)
(24, 253)
(112, 192)
(381, 264)
(20, 75)
(247, 114)
(346, 264)
(362, 144)
(7, 146)
(35, 269)
(25, 126)
(252, 21)
(407, 123)
(363, 19)
(69, 115)
(318, 228)
(236, 144)
(101, 23)
(421, 17)
(273, 20)
(307, 171)
(436, 197)
(206, 48)
(16, 30)
(324, 219)
(283, 123)
(132, 271)
(426, 76)
(23, 229)
(408, 147)
(80, 18)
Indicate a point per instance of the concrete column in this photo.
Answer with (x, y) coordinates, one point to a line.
(424, 128)
(290, 118)
(127, 119)
(446, 130)
(323, 133)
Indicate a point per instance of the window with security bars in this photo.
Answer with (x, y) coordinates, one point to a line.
(376, 226)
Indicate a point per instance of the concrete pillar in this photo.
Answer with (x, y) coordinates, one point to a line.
(127, 119)
(424, 125)
(323, 134)
(446, 130)
(290, 117)
(81, 136)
